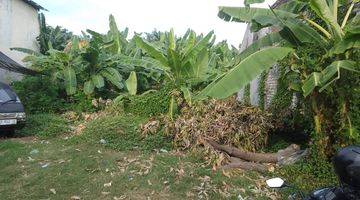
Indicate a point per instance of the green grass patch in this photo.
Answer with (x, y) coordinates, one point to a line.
(44, 126)
(86, 170)
(120, 133)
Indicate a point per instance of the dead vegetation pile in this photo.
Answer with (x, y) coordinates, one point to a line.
(227, 122)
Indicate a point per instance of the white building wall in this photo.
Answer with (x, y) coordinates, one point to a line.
(19, 27)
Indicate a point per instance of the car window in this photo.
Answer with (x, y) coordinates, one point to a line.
(5, 95)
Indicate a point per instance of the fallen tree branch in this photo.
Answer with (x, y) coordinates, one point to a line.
(255, 157)
(237, 163)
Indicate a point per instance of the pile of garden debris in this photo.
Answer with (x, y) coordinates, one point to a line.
(242, 131)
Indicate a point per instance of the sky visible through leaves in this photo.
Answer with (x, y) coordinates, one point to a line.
(145, 16)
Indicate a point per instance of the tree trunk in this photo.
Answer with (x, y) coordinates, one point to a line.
(237, 163)
(256, 157)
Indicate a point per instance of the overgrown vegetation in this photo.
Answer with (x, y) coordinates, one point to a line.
(151, 93)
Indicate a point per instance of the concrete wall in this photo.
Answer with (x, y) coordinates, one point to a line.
(19, 27)
(272, 77)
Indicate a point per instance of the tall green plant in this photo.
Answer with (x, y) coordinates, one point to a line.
(337, 38)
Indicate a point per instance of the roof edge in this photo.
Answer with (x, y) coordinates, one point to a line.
(34, 5)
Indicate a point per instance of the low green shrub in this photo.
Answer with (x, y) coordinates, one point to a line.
(44, 126)
(310, 174)
(119, 132)
(39, 94)
(152, 103)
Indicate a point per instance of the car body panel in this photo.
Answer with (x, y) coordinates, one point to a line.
(10, 108)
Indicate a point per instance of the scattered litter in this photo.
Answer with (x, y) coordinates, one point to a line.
(33, 152)
(131, 178)
(107, 170)
(102, 141)
(164, 151)
(120, 198)
(61, 161)
(30, 159)
(99, 152)
(52, 190)
(240, 197)
(19, 160)
(77, 150)
(45, 165)
(108, 184)
(105, 193)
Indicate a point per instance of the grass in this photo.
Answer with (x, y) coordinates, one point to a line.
(81, 170)
(136, 167)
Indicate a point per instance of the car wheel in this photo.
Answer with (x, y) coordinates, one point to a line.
(10, 133)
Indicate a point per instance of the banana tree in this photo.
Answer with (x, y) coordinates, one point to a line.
(184, 61)
(294, 29)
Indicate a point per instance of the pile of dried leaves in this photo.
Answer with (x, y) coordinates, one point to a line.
(227, 122)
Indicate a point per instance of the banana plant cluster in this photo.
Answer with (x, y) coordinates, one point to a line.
(185, 61)
(94, 62)
(297, 25)
(294, 29)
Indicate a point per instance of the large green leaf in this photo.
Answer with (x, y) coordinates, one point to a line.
(199, 46)
(89, 87)
(151, 50)
(322, 9)
(98, 80)
(303, 32)
(317, 79)
(113, 76)
(115, 33)
(246, 71)
(172, 42)
(70, 80)
(131, 83)
(190, 42)
(242, 14)
(272, 39)
(346, 44)
(175, 63)
(293, 6)
(187, 95)
(353, 27)
(201, 66)
(172, 107)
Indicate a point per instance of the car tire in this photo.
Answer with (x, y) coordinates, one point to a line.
(10, 133)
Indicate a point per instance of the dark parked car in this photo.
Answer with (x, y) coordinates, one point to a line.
(12, 114)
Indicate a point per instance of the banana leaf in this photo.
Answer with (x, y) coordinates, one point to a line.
(151, 50)
(322, 9)
(70, 80)
(98, 81)
(131, 83)
(89, 87)
(317, 79)
(242, 14)
(246, 71)
(272, 39)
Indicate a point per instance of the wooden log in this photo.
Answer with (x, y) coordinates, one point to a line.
(255, 157)
(237, 163)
